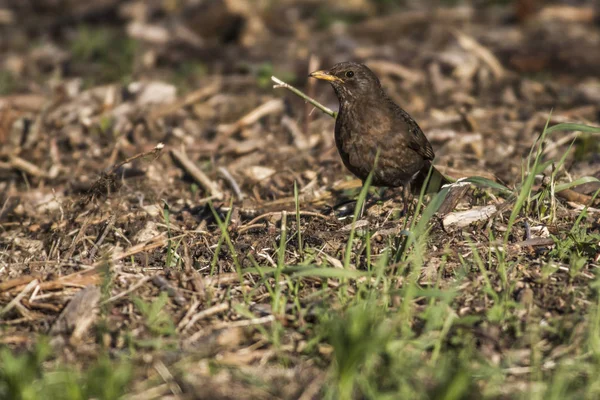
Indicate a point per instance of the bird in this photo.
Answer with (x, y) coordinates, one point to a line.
(370, 125)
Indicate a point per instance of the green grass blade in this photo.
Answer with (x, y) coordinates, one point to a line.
(525, 191)
(576, 182)
(481, 181)
(573, 127)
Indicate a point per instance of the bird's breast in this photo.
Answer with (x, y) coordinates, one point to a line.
(356, 147)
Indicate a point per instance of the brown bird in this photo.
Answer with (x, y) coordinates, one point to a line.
(369, 121)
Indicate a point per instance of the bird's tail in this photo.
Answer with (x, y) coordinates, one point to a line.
(434, 184)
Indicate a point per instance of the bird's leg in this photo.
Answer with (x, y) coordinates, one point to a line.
(382, 192)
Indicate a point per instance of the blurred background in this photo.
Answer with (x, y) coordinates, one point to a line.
(479, 76)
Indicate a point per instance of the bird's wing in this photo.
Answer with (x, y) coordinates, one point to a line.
(415, 136)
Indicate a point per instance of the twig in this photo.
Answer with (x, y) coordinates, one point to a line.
(157, 241)
(166, 375)
(79, 236)
(280, 213)
(234, 185)
(387, 67)
(18, 298)
(216, 309)
(270, 107)
(244, 322)
(282, 84)
(571, 195)
(139, 284)
(5, 206)
(189, 314)
(22, 280)
(199, 176)
(27, 167)
(299, 139)
(535, 242)
(248, 227)
(109, 225)
(155, 151)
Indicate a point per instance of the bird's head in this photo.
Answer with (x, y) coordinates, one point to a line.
(350, 80)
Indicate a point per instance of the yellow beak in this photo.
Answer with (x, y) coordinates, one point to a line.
(324, 75)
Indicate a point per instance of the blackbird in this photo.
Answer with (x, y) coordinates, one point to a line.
(369, 121)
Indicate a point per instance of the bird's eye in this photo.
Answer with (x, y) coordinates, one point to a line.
(349, 74)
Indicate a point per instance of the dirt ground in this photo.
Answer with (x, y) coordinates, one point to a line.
(151, 237)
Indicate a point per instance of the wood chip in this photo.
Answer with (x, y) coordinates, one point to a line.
(535, 242)
(567, 13)
(485, 55)
(192, 98)
(576, 197)
(455, 195)
(79, 315)
(258, 173)
(461, 219)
